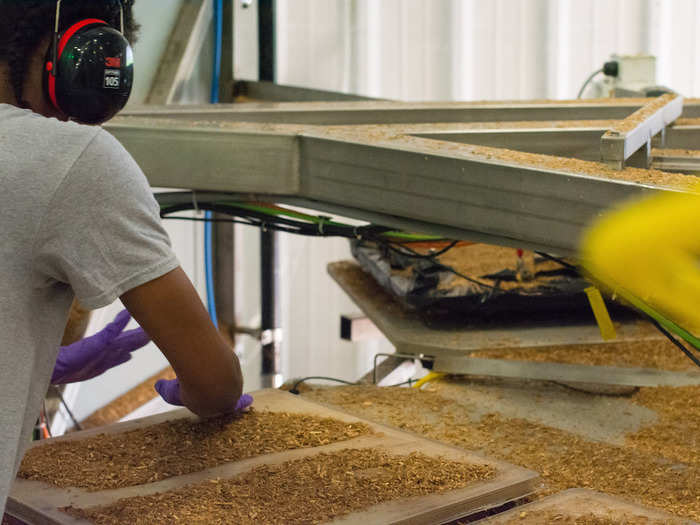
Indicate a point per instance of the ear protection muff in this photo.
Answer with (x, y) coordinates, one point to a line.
(89, 70)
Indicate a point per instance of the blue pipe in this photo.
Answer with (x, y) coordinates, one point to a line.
(208, 226)
(218, 44)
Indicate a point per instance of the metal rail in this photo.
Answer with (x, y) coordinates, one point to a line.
(636, 132)
(382, 112)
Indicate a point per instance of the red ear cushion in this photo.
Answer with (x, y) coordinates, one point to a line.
(72, 30)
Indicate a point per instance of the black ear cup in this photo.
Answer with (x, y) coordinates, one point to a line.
(92, 78)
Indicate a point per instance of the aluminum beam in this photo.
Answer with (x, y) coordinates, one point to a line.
(536, 206)
(406, 178)
(578, 143)
(564, 139)
(212, 159)
(566, 373)
(676, 161)
(618, 144)
(381, 112)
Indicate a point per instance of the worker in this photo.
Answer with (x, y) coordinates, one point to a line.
(79, 220)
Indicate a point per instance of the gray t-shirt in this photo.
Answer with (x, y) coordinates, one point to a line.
(78, 219)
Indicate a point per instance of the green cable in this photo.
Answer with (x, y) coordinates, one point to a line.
(410, 237)
(664, 321)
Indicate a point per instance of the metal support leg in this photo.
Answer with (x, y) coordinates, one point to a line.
(271, 336)
(223, 242)
(223, 233)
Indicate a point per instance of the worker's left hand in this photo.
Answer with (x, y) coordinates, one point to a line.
(169, 390)
(94, 355)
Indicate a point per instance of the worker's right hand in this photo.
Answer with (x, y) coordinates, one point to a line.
(169, 390)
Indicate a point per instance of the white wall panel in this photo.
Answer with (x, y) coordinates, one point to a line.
(472, 49)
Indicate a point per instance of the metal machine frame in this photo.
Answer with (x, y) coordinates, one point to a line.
(416, 167)
(423, 167)
(414, 171)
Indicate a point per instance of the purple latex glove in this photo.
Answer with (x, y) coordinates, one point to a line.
(96, 354)
(169, 390)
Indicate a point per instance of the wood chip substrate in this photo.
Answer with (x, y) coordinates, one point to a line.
(584, 507)
(658, 465)
(655, 353)
(661, 152)
(480, 260)
(256, 470)
(552, 516)
(174, 448)
(314, 489)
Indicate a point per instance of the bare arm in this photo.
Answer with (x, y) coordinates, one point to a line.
(170, 311)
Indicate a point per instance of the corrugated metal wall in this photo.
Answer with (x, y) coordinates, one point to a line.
(477, 50)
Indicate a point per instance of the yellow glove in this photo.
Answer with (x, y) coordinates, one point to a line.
(648, 252)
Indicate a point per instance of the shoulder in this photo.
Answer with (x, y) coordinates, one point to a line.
(48, 135)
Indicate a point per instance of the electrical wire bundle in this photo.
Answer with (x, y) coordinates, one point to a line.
(271, 217)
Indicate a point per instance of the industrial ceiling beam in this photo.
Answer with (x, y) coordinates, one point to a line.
(181, 53)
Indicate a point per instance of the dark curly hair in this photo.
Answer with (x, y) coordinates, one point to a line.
(25, 23)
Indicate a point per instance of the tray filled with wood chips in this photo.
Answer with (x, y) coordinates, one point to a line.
(287, 460)
(584, 507)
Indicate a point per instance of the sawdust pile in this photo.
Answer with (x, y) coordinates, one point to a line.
(656, 353)
(478, 260)
(678, 428)
(687, 121)
(548, 516)
(662, 152)
(643, 113)
(175, 448)
(646, 470)
(314, 489)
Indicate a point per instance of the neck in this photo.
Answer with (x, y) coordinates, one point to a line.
(7, 94)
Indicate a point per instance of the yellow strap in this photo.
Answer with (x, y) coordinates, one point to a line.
(431, 376)
(600, 311)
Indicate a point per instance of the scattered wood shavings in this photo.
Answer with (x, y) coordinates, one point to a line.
(174, 448)
(687, 121)
(448, 127)
(314, 489)
(656, 353)
(555, 517)
(479, 260)
(661, 152)
(643, 113)
(677, 434)
(646, 470)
